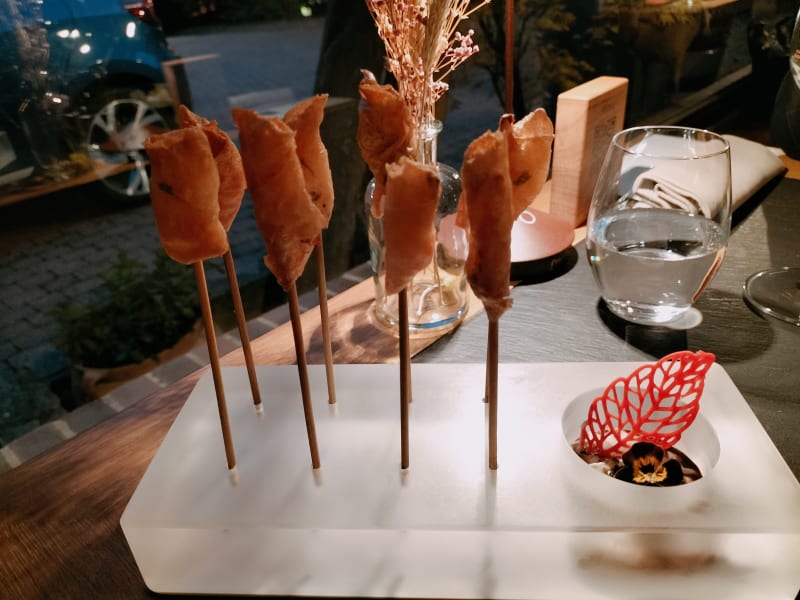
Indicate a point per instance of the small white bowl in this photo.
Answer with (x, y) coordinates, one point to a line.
(699, 442)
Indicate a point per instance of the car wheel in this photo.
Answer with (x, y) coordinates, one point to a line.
(118, 125)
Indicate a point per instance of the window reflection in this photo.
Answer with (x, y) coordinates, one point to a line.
(83, 82)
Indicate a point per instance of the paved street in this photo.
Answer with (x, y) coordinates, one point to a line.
(54, 248)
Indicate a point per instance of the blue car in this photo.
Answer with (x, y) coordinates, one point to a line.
(82, 84)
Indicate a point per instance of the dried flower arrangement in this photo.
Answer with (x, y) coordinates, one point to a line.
(423, 46)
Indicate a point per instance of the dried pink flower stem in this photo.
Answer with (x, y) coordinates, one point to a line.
(423, 46)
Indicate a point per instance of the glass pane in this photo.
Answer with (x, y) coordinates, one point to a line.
(84, 82)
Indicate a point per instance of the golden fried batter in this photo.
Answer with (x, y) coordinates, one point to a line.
(232, 182)
(486, 191)
(529, 145)
(184, 188)
(285, 213)
(385, 132)
(305, 119)
(410, 203)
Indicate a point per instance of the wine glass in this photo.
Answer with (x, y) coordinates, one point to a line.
(659, 221)
(775, 292)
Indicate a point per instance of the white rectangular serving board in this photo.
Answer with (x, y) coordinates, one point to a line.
(447, 527)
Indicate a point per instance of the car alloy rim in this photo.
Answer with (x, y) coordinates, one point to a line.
(116, 137)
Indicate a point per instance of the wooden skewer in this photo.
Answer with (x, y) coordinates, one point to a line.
(492, 354)
(216, 371)
(409, 392)
(325, 322)
(405, 376)
(486, 391)
(302, 368)
(238, 309)
(404, 328)
(509, 56)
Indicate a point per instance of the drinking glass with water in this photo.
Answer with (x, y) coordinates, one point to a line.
(659, 220)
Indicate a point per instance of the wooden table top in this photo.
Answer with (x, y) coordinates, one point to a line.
(792, 167)
(59, 513)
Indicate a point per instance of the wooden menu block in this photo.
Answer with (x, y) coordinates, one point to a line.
(587, 117)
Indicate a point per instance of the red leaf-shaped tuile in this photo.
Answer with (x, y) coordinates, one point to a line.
(656, 403)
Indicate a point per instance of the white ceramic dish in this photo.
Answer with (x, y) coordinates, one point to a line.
(447, 527)
(699, 442)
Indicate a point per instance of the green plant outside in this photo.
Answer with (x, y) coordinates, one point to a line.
(24, 405)
(559, 44)
(547, 51)
(134, 314)
(663, 13)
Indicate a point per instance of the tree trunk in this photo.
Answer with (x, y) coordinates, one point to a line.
(350, 43)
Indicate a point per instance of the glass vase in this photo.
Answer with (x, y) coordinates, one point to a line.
(437, 296)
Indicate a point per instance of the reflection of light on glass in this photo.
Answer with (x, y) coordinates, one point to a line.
(305, 11)
(53, 98)
(85, 49)
(73, 34)
(130, 29)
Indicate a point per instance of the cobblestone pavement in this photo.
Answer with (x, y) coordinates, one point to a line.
(54, 248)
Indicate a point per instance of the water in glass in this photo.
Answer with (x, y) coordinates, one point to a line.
(659, 220)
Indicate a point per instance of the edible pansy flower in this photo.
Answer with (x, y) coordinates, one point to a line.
(644, 464)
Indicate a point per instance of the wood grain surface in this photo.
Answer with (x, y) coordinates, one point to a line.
(59, 513)
(792, 166)
(357, 335)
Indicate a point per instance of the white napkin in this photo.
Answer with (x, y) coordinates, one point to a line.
(752, 166)
(669, 185)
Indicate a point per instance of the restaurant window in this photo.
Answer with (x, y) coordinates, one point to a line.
(84, 82)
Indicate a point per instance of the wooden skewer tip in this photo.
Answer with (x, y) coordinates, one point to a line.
(325, 324)
(302, 369)
(233, 475)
